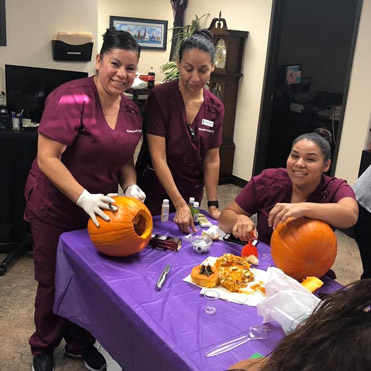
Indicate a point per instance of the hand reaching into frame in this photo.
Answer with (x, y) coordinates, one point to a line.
(134, 191)
(282, 211)
(184, 218)
(214, 212)
(244, 228)
(94, 204)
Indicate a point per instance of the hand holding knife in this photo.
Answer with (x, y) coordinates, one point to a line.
(162, 277)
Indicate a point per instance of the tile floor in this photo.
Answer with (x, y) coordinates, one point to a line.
(17, 291)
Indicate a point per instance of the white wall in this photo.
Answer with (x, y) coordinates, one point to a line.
(253, 16)
(357, 121)
(32, 24)
(153, 9)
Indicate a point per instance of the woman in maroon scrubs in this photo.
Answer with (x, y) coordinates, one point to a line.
(183, 126)
(87, 137)
(299, 190)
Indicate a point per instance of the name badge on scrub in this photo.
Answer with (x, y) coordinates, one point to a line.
(208, 123)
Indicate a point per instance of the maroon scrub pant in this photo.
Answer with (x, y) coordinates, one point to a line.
(50, 328)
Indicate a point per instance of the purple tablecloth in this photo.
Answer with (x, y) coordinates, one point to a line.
(145, 329)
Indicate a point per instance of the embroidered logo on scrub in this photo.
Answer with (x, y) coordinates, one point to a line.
(208, 123)
(207, 130)
(134, 131)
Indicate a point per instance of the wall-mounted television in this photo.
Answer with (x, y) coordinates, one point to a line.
(292, 74)
(28, 87)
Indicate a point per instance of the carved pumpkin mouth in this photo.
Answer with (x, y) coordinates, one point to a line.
(140, 224)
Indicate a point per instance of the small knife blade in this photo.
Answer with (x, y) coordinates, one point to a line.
(162, 277)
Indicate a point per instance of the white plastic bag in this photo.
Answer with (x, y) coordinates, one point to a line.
(139, 84)
(287, 302)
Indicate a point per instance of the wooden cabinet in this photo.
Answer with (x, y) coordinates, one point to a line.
(224, 83)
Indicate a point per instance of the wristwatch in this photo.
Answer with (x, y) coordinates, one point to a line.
(213, 203)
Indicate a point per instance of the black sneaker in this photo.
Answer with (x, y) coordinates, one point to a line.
(43, 362)
(94, 361)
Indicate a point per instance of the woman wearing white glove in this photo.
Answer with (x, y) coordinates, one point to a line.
(87, 138)
(93, 205)
(134, 191)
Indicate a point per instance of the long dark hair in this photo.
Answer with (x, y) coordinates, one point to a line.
(322, 137)
(199, 40)
(115, 39)
(337, 336)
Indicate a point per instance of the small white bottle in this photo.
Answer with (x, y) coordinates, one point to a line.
(165, 210)
(191, 201)
(196, 206)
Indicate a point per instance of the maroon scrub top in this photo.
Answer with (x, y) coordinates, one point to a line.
(165, 116)
(263, 191)
(94, 155)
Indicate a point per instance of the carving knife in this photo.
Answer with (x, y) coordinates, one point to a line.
(162, 277)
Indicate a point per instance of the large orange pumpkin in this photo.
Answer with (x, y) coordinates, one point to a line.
(303, 247)
(128, 231)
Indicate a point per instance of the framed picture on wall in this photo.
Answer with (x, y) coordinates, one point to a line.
(292, 74)
(149, 33)
(2, 24)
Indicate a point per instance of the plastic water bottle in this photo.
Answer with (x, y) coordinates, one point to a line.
(165, 210)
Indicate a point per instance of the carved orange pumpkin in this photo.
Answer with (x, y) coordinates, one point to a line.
(128, 231)
(303, 247)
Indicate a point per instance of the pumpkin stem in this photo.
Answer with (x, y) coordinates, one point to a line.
(139, 223)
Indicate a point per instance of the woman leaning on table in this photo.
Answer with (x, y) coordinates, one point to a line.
(183, 127)
(87, 137)
(300, 190)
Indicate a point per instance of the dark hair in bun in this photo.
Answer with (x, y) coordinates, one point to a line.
(201, 40)
(322, 137)
(325, 134)
(207, 34)
(115, 39)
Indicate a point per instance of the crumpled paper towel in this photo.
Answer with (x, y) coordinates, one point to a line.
(251, 299)
(287, 302)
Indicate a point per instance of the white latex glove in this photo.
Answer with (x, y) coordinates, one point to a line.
(93, 203)
(134, 191)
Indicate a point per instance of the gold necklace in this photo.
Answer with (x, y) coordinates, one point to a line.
(193, 107)
(110, 113)
(188, 102)
(105, 113)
